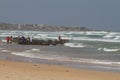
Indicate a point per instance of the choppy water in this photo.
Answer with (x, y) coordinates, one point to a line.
(99, 40)
(97, 47)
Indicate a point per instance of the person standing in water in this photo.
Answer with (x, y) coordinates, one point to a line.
(11, 39)
(59, 38)
(28, 40)
(31, 40)
(8, 39)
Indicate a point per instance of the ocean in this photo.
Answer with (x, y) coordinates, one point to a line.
(90, 47)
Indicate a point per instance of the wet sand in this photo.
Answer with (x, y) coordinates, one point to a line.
(29, 71)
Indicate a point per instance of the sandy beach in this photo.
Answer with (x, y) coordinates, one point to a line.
(29, 71)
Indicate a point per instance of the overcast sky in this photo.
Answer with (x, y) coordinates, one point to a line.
(95, 14)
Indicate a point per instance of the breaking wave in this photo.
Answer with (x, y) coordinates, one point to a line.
(80, 45)
(109, 50)
(64, 58)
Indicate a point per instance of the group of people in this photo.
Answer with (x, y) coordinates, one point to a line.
(24, 40)
(9, 39)
(19, 39)
(30, 40)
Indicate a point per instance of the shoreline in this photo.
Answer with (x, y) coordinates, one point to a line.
(74, 65)
(13, 67)
(31, 71)
(77, 65)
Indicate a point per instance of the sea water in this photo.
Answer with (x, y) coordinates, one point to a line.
(96, 47)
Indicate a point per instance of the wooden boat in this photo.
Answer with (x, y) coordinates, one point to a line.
(39, 41)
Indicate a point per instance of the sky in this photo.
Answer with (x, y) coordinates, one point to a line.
(93, 14)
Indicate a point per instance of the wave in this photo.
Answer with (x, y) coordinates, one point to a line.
(95, 39)
(117, 38)
(5, 51)
(110, 50)
(80, 39)
(65, 58)
(80, 45)
(99, 33)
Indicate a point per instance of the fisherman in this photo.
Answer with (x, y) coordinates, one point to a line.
(31, 40)
(59, 38)
(8, 39)
(23, 39)
(28, 40)
(11, 39)
(18, 39)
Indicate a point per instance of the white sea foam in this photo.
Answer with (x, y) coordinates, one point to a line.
(93, 39)
(67, 35)
(100, 49)
(117, 38)
(110, 50)
(74, 45)
(64, 58)
(5, 51)
(34, 49)
(75, 32)
(112, 35)
(3, 40)
(102, 33)
(75, 36)
(38, 55)
(95, 61)
(108, 36)
(23, 54)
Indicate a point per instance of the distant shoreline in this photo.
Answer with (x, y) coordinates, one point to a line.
(40, 27)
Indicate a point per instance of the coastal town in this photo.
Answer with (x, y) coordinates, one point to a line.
(41, 27)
